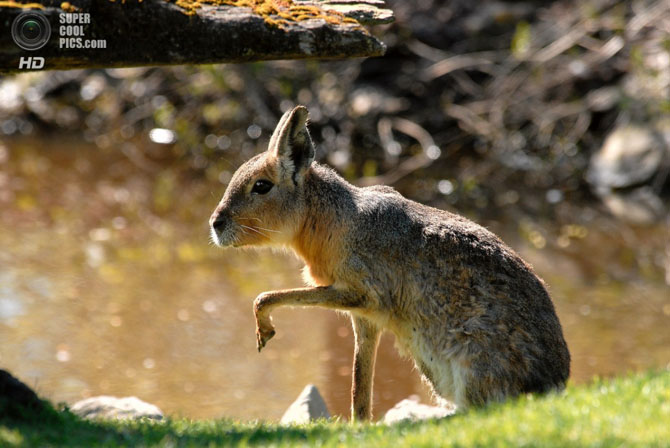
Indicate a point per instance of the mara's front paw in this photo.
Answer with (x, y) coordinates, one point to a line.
(264, 328)
(264, 332)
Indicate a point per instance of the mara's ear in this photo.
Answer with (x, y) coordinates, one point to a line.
(292, 145)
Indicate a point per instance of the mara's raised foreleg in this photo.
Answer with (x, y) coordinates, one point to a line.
(367, 335)
(323, 296)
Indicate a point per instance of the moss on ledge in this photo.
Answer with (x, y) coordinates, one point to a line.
(13, 4)
(275, 12)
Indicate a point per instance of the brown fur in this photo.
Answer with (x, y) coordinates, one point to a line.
(476, 319)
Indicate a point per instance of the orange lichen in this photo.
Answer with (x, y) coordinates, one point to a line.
(13, 4)
(68, 7)
(277, 13)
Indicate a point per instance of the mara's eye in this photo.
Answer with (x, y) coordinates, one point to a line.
(262, 186)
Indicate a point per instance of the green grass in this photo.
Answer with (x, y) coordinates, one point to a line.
(629, 411)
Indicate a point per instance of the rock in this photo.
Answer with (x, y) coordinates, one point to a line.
(119, 408)
(307, 407)
(630, 155)
(629, 170)
(641, 206)
(156, 32)
(16, 399)
(411, 409)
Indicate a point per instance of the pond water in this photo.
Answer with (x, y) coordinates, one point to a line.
(109, 285)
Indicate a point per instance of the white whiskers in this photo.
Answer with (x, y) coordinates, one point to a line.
(257, 228)
(254, 230)
(267, 230)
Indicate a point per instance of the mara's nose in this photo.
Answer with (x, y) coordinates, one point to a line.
(216, 220)
(218, 223)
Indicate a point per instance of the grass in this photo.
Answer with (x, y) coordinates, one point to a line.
(629, 411)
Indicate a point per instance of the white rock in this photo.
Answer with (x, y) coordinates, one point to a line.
(630, 154)
(307, 407)
(411, 409)
(106, 406)
(640, 206)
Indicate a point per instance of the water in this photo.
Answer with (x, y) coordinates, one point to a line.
(108, 285)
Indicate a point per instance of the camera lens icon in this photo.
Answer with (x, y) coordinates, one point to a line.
(31, 30)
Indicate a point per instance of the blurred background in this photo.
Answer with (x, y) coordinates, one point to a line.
(546, 121)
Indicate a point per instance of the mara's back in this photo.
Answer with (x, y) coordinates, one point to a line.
(476, 318)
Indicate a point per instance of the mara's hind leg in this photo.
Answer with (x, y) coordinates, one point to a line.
(496, 375)
(482, 379)
(494, 379)
(480, 390)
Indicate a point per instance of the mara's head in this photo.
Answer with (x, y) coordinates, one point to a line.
(264, 202)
